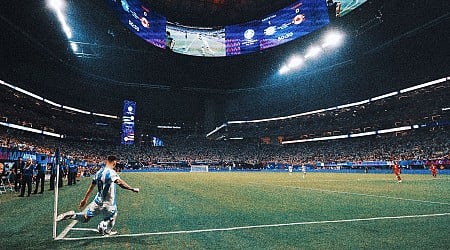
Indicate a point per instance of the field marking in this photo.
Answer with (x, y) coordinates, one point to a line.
(360, 180)
(66, 230)
(260, 226)
(351, 193)
(85, 229)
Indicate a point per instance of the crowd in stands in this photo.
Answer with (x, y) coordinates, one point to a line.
(92, 143)
(421, 144)
(421, 106)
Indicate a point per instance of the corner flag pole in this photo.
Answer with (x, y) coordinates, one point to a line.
(55, 205)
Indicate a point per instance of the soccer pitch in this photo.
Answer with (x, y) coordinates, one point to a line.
(247, 210)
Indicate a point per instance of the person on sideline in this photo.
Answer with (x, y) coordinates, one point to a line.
(27, 177)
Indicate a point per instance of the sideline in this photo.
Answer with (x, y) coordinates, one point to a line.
(258, 226)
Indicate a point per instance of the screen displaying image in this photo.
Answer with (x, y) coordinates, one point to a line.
(195, 41)
(129, 112)
(157, 142)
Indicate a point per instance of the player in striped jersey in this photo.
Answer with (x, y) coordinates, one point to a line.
(105, 200)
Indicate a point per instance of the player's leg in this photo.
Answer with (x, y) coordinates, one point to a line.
(110, 219)
(84, 217)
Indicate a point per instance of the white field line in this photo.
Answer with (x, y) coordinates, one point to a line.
(260, 226)
(359, 194)
(66, 230)
(360, 180)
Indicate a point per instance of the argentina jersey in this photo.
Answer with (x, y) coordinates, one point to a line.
(104, 179)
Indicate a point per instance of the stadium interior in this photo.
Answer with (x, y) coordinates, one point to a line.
(387, 46)
(358, 91)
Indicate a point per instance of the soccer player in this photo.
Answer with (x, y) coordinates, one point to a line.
(105, 200)
(304, 171)
(433, 170)
(397, 172)
(204, 45)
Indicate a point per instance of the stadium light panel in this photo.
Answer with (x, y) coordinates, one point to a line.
(52, 103)
(313, 52)
(77, 110)
(29, 93)
(423, 85)
(392, 130)
(105, 115)
(216, 129)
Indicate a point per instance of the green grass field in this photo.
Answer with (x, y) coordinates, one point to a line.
(246, 211)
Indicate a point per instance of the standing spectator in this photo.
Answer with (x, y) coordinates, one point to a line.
(433, 170)
(27, 177)
(17, 173)
(40, 177)
(397, 172)
(53, 169)
(73, 170)
(61, 175)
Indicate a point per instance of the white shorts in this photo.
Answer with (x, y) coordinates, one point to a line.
(109, 211)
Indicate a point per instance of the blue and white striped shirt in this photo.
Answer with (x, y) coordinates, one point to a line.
(104, 179)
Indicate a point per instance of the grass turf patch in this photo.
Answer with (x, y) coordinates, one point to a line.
(247, 211)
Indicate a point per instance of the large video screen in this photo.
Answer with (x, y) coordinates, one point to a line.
(282, 26)
(196, 41)
(129, 112)
(144, 22)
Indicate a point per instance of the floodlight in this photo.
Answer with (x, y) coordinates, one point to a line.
(284, 69)
(295, 62)
(56, 4)
(74, 46)
(313, 52)
(332, 39)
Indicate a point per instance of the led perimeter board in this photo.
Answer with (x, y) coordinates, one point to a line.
(129, 112)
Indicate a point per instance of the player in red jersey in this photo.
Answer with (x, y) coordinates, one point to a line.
(433, 170)
(397, 172)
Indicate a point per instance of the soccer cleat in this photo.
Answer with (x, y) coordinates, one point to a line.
(110, 233)
(65, 216)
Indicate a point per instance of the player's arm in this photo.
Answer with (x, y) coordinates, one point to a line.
(86, 196)
(124, 185)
